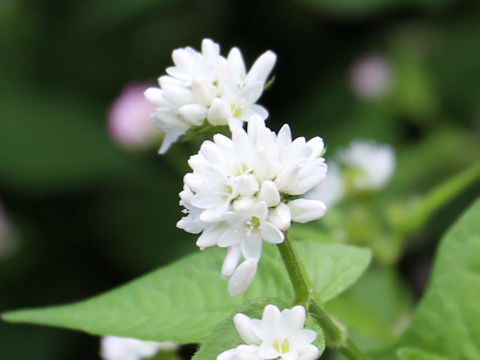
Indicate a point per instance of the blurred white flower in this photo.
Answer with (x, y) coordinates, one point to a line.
(247, 189)
(129, 121)
(208, 87)
(371, 76)
(278, 335)
(332, 189)
(120, 348)
(373, 163)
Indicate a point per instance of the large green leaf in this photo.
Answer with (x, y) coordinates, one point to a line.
(226, 336)
(186, 300)
(447, 320)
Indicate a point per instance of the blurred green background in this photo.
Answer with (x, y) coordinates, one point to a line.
(87, 214)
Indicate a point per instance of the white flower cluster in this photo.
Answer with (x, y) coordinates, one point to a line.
(374, 163)
(279, 335)
(369, 164)
(205, 86)
(121, 348)
(247, 189)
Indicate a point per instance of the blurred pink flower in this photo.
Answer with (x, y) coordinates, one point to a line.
(129, 121)
(371, 76)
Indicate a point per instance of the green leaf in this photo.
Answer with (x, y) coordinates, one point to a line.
(447, 320)
(415, 354)
(376, 309)
(226, 336)
(186, 300)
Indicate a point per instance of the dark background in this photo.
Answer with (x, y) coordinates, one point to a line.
(87, 214)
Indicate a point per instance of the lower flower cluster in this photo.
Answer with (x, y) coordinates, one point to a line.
(248, 189)
(278, 335)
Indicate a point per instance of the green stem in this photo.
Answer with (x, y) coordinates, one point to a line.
(440, 196)
(296, 272)
(431, 203)
(335, 333)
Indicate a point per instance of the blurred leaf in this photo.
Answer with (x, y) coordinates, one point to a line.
(185, 301)
(454, 59)
(447, 320)
(376, 309)
(226, 336)
(423, 164)
(439, 196)
(350, 7)
(52, 141)
(414, 354)
(354, 8)
(414, 93)
(114, 12)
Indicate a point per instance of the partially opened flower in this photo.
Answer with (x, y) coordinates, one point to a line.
(120, 348)
(247, 190)
(372, 164)
(205, 86)
(278, 335)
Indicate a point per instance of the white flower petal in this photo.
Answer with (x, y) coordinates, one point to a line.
(280, 217)
(210, 236)
(304, 210)
(219, 112)
(252, 246)
(269, 193)
(195, 114)
(231, 261)
(235, 60)
(271, 316)
(293, 320)
(271, 234)
(231, 354)
(262, 67)
(267, 351)
(245, 328)
(242, 277)
(303, 337)
(154, 95)
(204, 91)
(231, 237)
(308, 352)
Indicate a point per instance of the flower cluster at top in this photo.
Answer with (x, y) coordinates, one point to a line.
(248, 189)
(278, 335)
(205, 86)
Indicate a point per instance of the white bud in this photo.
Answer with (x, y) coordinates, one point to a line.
(269, 193)
(242, 277)
(304, 210)
(280, 217)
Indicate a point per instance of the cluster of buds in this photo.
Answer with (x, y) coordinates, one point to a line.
(248, 189)
(207, 87)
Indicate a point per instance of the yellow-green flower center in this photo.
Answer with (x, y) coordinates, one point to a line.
(236, 111)
(282, 347)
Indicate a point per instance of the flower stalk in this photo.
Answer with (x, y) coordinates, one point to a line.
(335, 333)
